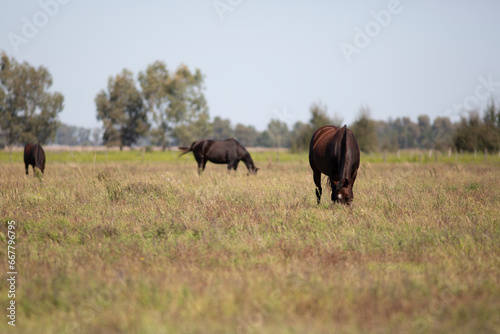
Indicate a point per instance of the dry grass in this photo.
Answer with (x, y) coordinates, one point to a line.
(153, 248)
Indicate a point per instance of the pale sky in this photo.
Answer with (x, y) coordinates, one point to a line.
(270, 59)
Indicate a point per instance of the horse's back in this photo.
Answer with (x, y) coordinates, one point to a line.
(319, 147)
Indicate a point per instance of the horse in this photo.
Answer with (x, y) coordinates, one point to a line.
(335, 152)
(228, 151)
(34, 155)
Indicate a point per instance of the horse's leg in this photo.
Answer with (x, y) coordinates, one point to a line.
(200, 164)
(334, 187)
(317, 182)
(235, 166)
(203, 164)
(26, 166)
(230, 165)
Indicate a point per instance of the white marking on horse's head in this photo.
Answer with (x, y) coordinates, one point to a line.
(339, 196)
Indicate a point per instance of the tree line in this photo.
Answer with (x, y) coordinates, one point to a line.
(162, 108)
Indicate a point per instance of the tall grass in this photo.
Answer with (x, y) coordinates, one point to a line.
(150, 247)
(268, 157)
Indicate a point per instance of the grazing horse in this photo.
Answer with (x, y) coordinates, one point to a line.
(228, 151)
(335, 152)
(35, 156)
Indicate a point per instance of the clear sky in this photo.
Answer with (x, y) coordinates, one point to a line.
(270, 59)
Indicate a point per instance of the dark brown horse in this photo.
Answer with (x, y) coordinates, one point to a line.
(228, 151)
(35, 156)
(335, 152)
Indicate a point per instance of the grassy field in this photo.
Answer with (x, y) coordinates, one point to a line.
(126, 242)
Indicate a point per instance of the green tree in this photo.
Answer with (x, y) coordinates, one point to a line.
(188, 131)
(28, 111)
(264, 139)
(300, 136)
(364, 130)
(188, 105)
(221, 128)
(319, 116)
(407, 131)
(176, 102)
(424, 139)
(65, 135)
(442, 133)
(246, 134)
(491, 121)
(155, 90)
(301, 133)
(122, 111)
(72, 135)
(476, 133)
(386, 136)
(279, 133)
(467, 135)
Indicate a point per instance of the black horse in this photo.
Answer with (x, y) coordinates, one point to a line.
(335, 152)
(34, 155)
(228, 151)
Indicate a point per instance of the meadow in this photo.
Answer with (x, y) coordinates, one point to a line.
(137, 242)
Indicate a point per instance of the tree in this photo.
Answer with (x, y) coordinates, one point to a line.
(279, 133)
(72, 135)
(176, 103)
(155, 90)
(65, 135)
(122, 111)
(246, 134)
(475, 133)
(468, 132)
(386, 136)
(319, 116)
(365, 131)
(96, 136)
(188, 106)
(264, 139)
(424, 139)
(491, 121)
(301, 133)
(301, 136)
(221, 128)
(407, 132)
(442, 133)
(198, 128)
(28, 112)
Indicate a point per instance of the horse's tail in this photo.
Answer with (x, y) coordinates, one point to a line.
(185, 149)
(343, 152)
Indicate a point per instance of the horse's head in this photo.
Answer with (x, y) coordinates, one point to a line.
(253, 171)
(343, 196)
